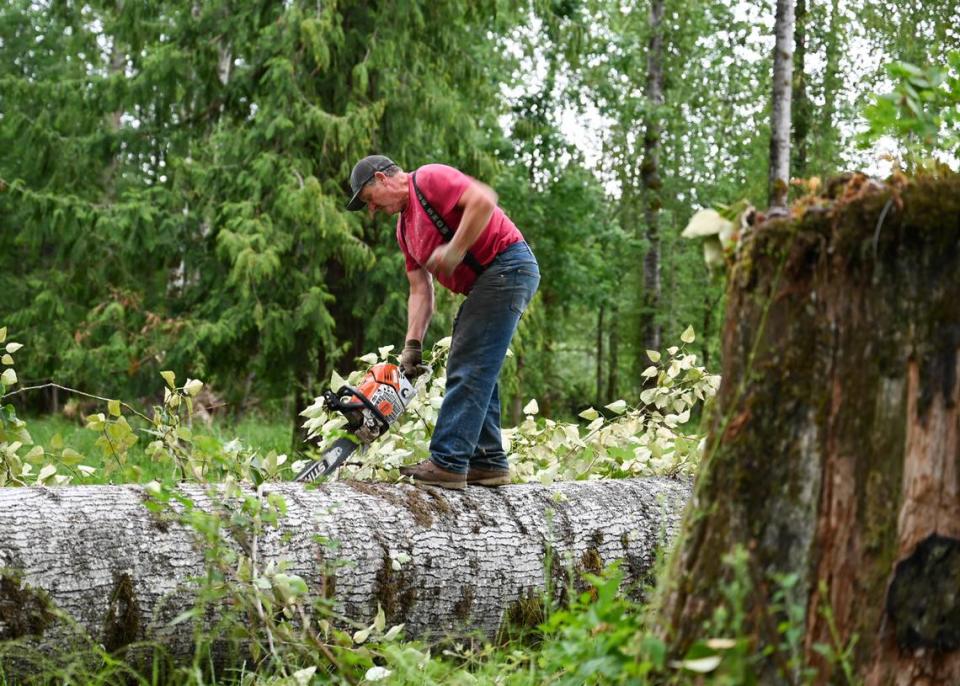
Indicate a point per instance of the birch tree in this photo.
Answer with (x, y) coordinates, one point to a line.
(780, 122)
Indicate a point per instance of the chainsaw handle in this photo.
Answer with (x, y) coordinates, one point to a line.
(336, 403)
(417, 371)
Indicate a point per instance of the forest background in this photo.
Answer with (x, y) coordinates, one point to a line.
(174, 173)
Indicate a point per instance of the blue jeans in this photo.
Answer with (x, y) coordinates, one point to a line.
(468, 426)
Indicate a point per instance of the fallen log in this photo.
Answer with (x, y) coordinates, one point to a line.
(441, 562)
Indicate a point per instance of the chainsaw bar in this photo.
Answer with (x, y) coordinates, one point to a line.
(333, 457)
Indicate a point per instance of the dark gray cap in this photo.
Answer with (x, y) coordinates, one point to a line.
(362, 174)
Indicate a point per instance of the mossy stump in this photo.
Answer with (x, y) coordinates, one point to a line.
(834, 451)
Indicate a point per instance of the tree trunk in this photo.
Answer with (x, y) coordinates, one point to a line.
(516, 402)
(834, 454)
(124, 572)
(599, 399)
(800, 101)
(780, 119)
(827, 133)
(613, 355)
(650, 173)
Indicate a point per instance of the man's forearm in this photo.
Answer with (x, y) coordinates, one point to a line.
(475, 218)
(419, 313)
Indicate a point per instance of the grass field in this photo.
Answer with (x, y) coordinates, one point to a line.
(56, 433)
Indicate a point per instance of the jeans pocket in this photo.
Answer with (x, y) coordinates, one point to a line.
(524, 286)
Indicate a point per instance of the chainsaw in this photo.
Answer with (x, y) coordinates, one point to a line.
(377, 402)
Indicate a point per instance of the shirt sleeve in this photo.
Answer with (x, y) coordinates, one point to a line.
(443, 186)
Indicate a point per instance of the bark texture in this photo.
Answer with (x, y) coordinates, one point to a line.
(650, 174)
(780, 117)
(834, 454)
(123, 572)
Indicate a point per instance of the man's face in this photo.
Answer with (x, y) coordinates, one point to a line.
(381, 195)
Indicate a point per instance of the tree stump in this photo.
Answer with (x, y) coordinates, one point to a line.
(834, 451)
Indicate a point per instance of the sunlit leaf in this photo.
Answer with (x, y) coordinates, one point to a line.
(377, 673)
(701, 665)
(46, 472)
(617, 407)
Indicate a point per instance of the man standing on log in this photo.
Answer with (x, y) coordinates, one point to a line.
(451, 228)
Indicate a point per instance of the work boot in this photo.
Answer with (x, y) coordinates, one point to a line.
(488, 477)
(429, 474)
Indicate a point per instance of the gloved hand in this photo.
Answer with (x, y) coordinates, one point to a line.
(411, 359)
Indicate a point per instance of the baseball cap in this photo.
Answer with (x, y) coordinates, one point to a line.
(361, 175)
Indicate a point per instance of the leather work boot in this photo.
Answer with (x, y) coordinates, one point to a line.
(488, 477)
(429, 474)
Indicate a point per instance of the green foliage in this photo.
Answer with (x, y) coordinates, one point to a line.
(923, 110)
(649, 438)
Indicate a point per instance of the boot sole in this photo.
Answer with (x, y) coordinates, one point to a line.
(491, 482)
(451, 485)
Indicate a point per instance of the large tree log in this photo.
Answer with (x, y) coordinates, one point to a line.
(123, 572)
(835, 451)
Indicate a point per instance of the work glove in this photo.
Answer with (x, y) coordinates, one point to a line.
(411, 359)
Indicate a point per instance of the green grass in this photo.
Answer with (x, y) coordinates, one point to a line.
(56, 433)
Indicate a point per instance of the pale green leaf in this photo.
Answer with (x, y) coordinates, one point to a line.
(380, 621)
(369, 358)
(653, 355)
(706, 223)
(531, 407)
(688, 336)
(650, 371)
(13, 347)
(384, 351)
(170, 378)
(46, 472)
(192, 387)
(720, 643)
(393, 632)
(713, 253)
(701, 665)
(113, 407)
(303, 676)
(377, 673)
(336, 381)
(589, 414)
(361, 635)
(617, 407)
(7, 359)
(3, 334)
(9, 377)
(71, 456)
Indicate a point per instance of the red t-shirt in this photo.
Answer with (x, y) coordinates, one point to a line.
(443, 186)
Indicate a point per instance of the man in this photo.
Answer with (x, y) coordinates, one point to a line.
(484, 256)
